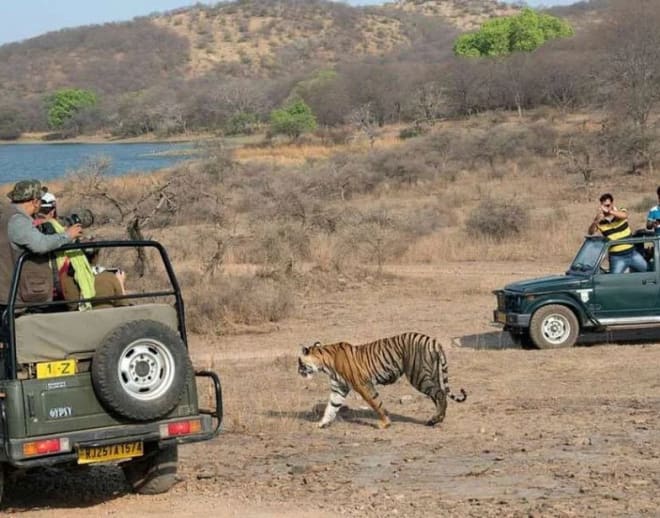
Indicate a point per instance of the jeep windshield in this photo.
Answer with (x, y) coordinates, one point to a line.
(588, 256)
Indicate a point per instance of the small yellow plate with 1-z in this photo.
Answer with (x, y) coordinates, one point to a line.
(56, 369)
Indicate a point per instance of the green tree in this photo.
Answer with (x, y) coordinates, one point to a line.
(10, 123)
(241, 123)
(523, 32)
(64, 104)
(293, 119)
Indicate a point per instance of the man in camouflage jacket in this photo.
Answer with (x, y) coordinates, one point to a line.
(18, 234)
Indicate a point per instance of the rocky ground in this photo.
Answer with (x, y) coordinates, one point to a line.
(543, 433)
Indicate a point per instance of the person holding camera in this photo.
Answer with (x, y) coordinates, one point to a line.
(613, 224)
(653, 217)
(75, 277)
(71, 263)
(17, 235)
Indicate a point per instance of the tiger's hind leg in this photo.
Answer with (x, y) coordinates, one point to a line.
(439, 397)
(427, 384)
(428, 379)
(338, 393)
(370, 395)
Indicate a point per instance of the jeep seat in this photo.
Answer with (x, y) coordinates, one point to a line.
(76, 334)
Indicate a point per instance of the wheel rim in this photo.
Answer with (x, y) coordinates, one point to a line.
(556, 329)
(146, 369)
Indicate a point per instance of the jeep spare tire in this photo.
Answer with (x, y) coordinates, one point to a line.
(141, 370)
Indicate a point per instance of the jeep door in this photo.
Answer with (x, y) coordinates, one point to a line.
(629, 297)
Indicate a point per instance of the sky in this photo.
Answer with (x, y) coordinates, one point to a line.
(22, 19)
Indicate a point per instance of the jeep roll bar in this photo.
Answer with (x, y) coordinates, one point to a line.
(9, 314)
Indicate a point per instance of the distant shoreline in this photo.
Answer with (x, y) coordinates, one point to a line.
(38, 138)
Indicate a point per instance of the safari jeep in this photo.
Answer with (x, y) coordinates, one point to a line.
(550, 312)
(103, 385)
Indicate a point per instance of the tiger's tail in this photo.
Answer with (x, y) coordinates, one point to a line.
(444, 375)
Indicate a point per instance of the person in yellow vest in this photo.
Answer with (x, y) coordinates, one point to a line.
(76, 277)
(613, 224)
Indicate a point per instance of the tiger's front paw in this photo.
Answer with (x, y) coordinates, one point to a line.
(323, 424)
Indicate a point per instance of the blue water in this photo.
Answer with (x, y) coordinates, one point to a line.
(53, 161)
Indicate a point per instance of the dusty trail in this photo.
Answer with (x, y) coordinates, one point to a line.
(543, 433)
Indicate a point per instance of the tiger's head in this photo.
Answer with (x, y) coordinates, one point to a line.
(310, 361)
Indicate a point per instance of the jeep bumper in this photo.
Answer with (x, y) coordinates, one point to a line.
(511, 320)
(206, 426)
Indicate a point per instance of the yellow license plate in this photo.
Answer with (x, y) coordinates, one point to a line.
(126, 450)
(500, 316)
(56, 369)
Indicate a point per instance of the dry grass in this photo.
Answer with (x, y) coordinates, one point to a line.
(261, 409)
(317, 218)
(287, 154)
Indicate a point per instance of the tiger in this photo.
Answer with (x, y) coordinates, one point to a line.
(382, 362)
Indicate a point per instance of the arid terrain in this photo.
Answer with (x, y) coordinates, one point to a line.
(542, 433)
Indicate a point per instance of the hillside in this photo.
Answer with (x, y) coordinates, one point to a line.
(255, 38)
(194, 68)
(466, 15)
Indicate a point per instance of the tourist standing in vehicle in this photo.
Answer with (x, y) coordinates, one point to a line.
(653, 217)
(17, 235)
(75, 278)
(613, 224)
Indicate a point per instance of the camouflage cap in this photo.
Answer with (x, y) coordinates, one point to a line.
(25, 190)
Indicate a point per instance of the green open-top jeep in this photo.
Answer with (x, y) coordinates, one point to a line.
(550, 312)
(102, 385)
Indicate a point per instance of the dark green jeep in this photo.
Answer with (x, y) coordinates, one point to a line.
(103, 385)
(550, 312)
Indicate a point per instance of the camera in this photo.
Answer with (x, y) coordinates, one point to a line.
(82, 217)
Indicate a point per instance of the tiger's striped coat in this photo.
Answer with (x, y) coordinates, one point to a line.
(382, 362)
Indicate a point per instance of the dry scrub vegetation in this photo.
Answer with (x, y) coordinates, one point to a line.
(250, 234)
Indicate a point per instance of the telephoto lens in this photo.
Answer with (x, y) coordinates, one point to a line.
(81, 216)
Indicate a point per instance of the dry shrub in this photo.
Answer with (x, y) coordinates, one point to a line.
(227, 301)
(278, 245)
(498, 219)
(333, 136)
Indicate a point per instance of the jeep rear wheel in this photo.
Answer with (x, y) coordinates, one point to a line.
(553, 327)
(154, 473)
(141, 370)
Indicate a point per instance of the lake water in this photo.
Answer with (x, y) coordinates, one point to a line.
(53, 161)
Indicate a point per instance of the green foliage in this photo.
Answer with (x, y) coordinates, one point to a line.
(320, 79)
(293, 120)
(10, 124)
(242, 123)
(523, 32)
(411, 132)
(64, 104)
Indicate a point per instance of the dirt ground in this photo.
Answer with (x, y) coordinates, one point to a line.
(542, 433)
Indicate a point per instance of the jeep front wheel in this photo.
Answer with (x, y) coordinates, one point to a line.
(554, 327)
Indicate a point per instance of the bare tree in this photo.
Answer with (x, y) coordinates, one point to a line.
(576, 158)
(632, 58)
(365, 121)
(90, 182)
